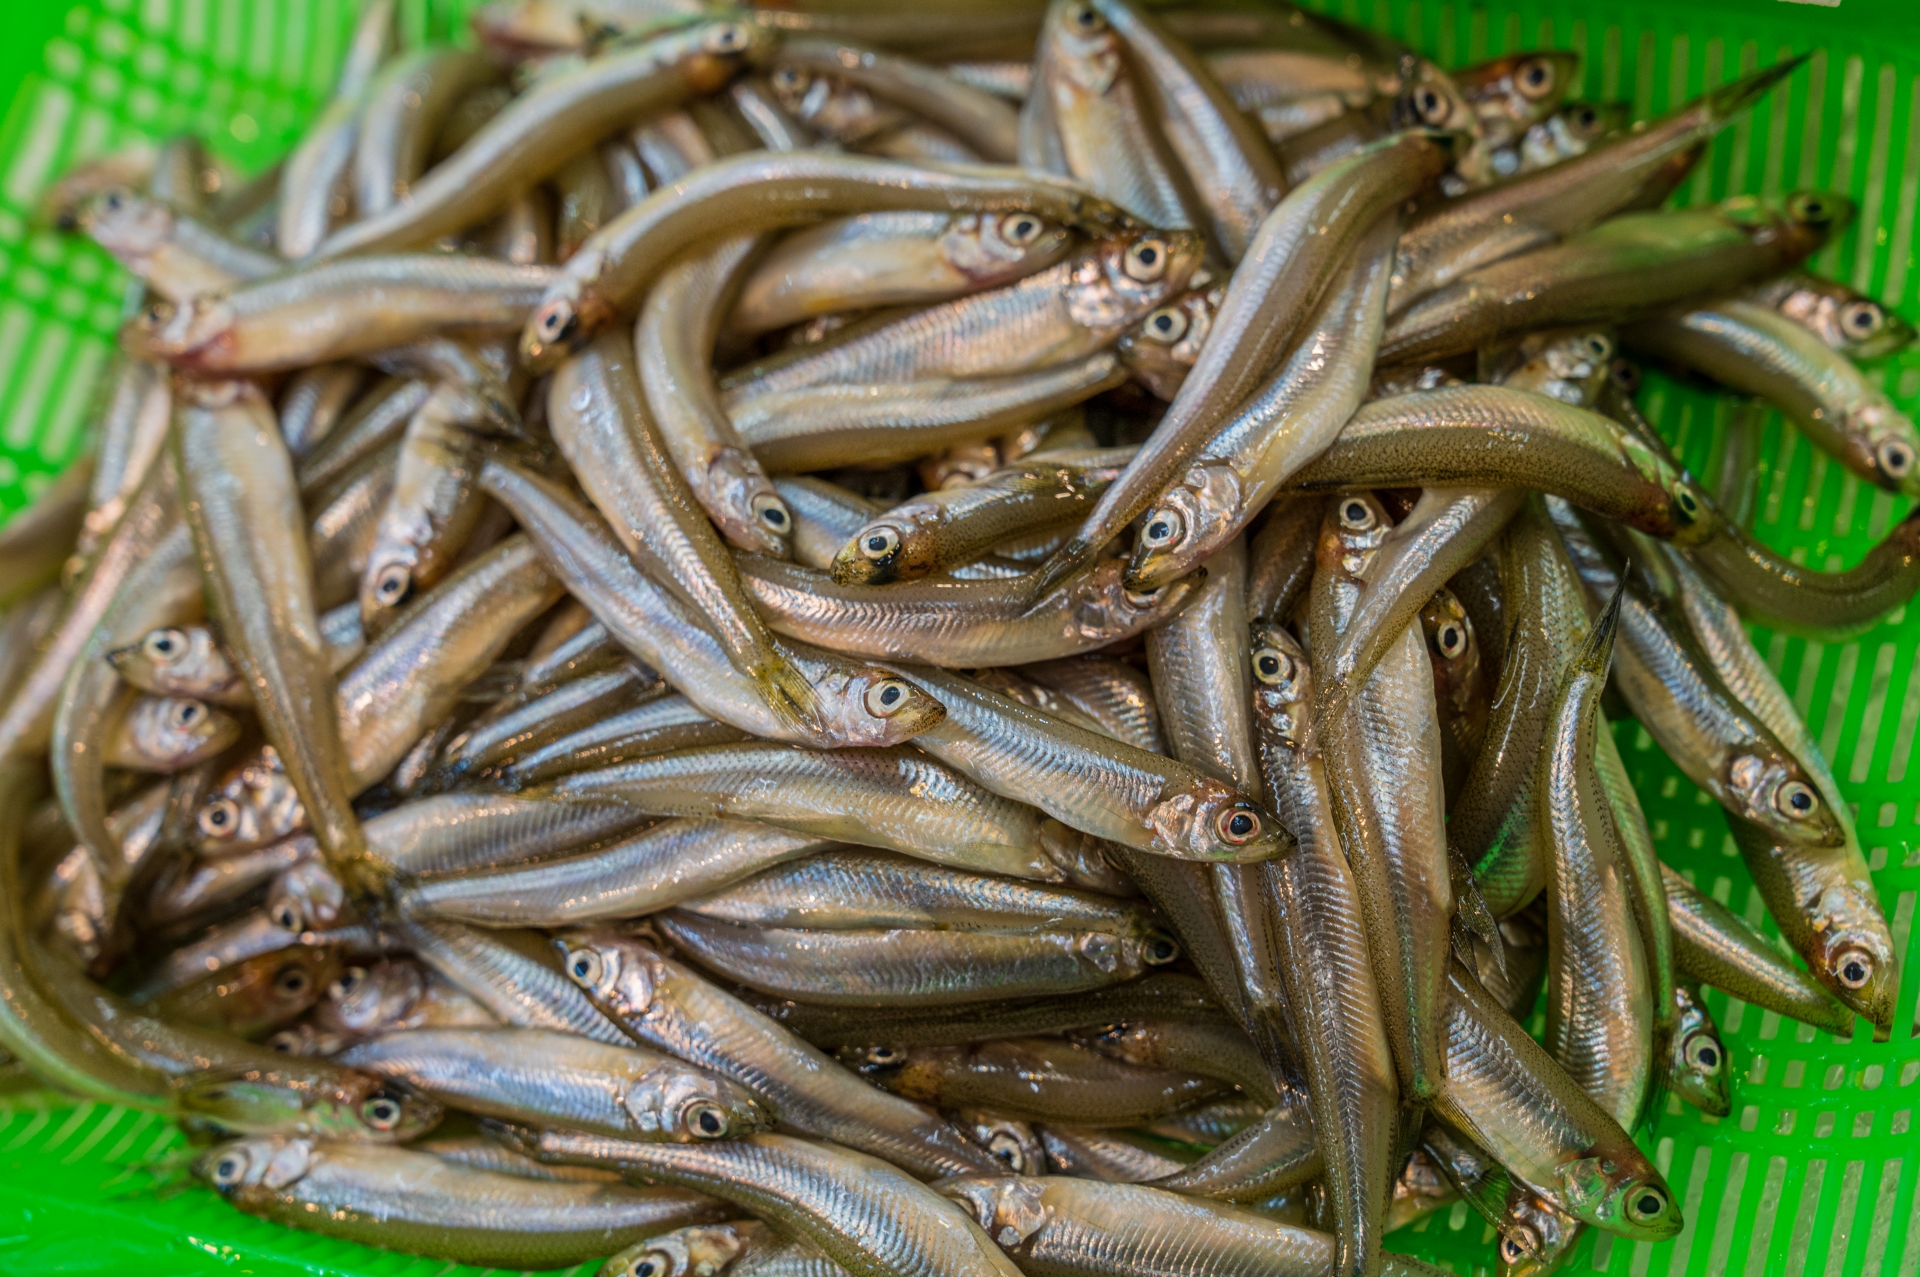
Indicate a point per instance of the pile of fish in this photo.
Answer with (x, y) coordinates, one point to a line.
(953, 639)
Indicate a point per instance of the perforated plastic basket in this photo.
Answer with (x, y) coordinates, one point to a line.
(1813, 1173)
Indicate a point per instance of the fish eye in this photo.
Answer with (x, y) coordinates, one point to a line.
(1238, 826)
(1159, 951)
(1626, 376)
(789, 79)
(772, 512)
(1853, 969)
(887, 697)
(291, 982)
(555, 320)
(1272, 666)
(391, 585)
(1599, 346)
(729, 37)
(879, 543)
(1862, 318)
(1896, 458)
(113, 200)
(187, 713)
(707, 1120)
(1163, 529)
(1007, 1148)
(286, 1042)
(1646, 1202)
(219, 818)
(1140, 598)
(164, 646)
(655, 1263)
(1450, 640)
(885, 1055)
(1168, 324)
(1796, 800)
(286, 915)
(1021, 229)
(1431, 105)
(382, 1112)
(585, 967)
(1517, 1243)
(1703, 1053)
(1536, 77)
(1145, 260)
(229, 1169)
(1688, 503)
(347, 982)
(1356, 515)
(157, 314)
(1085, 17)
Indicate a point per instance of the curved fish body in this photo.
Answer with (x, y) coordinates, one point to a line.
(1043, 1079)
(237, 482)
(1111, 693)
(659, 725)
(659, 628)
(1758, 351)
(1352, 1086)
(653, 868)
(768, 191)
(958, 624)
(542, 129)
(1382, 762)
(1599, 1006)
(872, 260)
(1284, 425)
(601, 423)
(431, 510)
(1091, 783)
(409, 1201)
(1296, 256)
(1716, 946)
(1535, 1235)
(893, 799)
(1057, 1226)
(1628, 266)
(1488, 436)
(407, 103)
(663, 1004)
(510, 973)
(335, 310)
(1643, 879)
(174, 254)
(910, 968)
(674, 349)
(983, 122)
(539, 1077)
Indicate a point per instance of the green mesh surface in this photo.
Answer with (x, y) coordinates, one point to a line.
(1814, 1171)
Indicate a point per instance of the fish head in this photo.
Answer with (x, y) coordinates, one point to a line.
(1847, 321)
(305, 896)
(994, 248)
(1569, 365)
(1282, 683)
(1080, 51)
(250, 806)
(1855, 951)
(387, 582)
(1453, 648)
(129, 226)
(710, 54)
(1200, 818)
(363, 1001)
(1535, 1235)
(869, 705)
(173, 659)
(1698, 1071)
(1161, 349)
(621, 975)
(1628, 1200)
(175, 732)
(1011, 1208)
(749, 511)
(568, 315)
(1429, 98)
(1681, 512)
(190, 334)
(1774, 792)
(1130, 272)
(690, 1105)
(1102, 607)
(1512, 93)
(1012, 1142)
(272, 988)
(1885, 443)
(306, 1038)
(269, 1164)
(842, 111)
(901, 545)
(326, 1102)
(702, 1251)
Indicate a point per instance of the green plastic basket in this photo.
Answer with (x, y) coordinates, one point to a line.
(1813, 1173)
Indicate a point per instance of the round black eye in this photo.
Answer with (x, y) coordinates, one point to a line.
(1237, 826)
(228, 1170)
(772, 511)
(1167, 324)
(1450, 640)
(1896, 458)
(1270, 666)
(555, 321)
(187, 713)
(391, 585)
(292, 982)
(1586, 117)
(585, 966)
(1086, 18)
(1356, 515)
(164, 645)
(726, 39)
(344, 985)
(655, 1263)
(1703, 1053)
(1536, 78)
(1163, 528)
(883, 1055)
(1855, 969)
(886, 698)
(219, 817)
(1625, 375)
(1431, 105)
(890, 696)
(1689, 504)
(112, 201)
(1020, 229)
(1159, 951)
(382, 1112)
(880, 544)
(1007, 1149)
(1599, 347)
(707, 1121)
(1644, 1204)
(1795, 800)
(286, 1042)
(286, 916)
(1145, 260)
(1862, 319)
